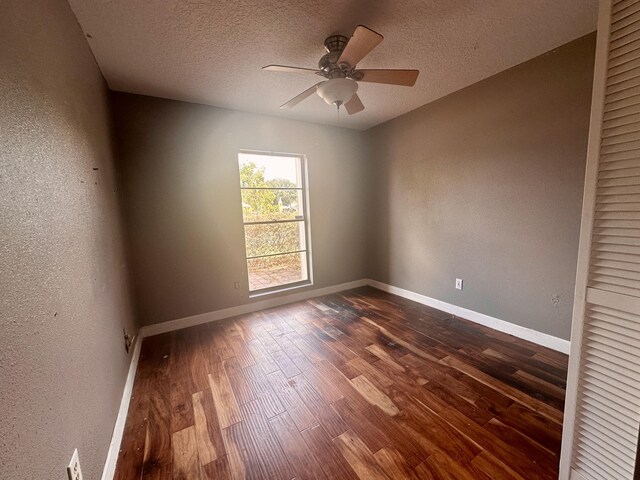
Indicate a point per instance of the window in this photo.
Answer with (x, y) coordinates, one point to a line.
(276, 228)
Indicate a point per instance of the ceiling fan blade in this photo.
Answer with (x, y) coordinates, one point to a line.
(354, 105)
(286, 68)
(361, 43)
(406, 78)
(298, 98)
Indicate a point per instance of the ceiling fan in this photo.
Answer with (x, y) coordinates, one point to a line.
(338, 66)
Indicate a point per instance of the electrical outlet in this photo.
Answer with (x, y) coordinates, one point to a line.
(73, 470)
(458, 283)
(236, 285)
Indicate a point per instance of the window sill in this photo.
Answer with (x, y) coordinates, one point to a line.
(282, 289)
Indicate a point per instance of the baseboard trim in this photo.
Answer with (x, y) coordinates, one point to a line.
(525, 333)
(171, 325)
(504, 326)
(118, 430)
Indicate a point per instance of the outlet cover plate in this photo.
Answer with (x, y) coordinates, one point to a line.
(458, 283)
(73, 470)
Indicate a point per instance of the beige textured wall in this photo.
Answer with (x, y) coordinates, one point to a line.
(486, 185)
(63, 293)
(179, 172)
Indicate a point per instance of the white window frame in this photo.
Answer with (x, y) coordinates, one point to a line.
(305, 224)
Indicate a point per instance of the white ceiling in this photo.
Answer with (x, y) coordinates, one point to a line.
(210, 51)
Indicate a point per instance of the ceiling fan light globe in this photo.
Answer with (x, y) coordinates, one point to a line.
(337, 91)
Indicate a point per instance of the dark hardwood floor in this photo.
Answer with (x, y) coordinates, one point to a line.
(360, 384)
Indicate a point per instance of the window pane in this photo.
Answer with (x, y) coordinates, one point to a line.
(257, 170)
(274, 214)
(265, 205)
(270, 238)
(271, 272)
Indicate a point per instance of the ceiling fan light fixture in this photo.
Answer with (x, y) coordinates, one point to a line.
(337, 91)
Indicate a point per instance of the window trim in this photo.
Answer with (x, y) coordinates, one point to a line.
(305, 220)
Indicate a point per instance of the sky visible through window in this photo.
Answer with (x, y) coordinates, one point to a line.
(274, 166)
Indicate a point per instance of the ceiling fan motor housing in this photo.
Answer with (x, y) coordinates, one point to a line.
(328, 64)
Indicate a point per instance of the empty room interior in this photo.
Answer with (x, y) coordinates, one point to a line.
(319, 240)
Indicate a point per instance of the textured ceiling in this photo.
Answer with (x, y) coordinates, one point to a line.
(211, 51)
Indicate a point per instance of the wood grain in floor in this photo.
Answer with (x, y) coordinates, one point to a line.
(361, 384)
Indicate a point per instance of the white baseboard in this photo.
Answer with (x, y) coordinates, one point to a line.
(525, 333)
(116, 439)
(164, 327)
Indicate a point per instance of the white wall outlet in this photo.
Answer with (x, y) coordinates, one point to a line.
(236, 285)
(458, 284)
(73, 470)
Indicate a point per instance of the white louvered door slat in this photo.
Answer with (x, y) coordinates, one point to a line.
(602, 421)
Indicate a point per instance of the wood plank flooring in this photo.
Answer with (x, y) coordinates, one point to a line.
(361, 384)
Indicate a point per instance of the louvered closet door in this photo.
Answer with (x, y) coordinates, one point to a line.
(601, 433)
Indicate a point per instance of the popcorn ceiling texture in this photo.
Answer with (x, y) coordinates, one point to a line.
(211, 52)
(63, 282)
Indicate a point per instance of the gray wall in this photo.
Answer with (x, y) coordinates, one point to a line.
(486, 185)
(63, 292)
(179, 174)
